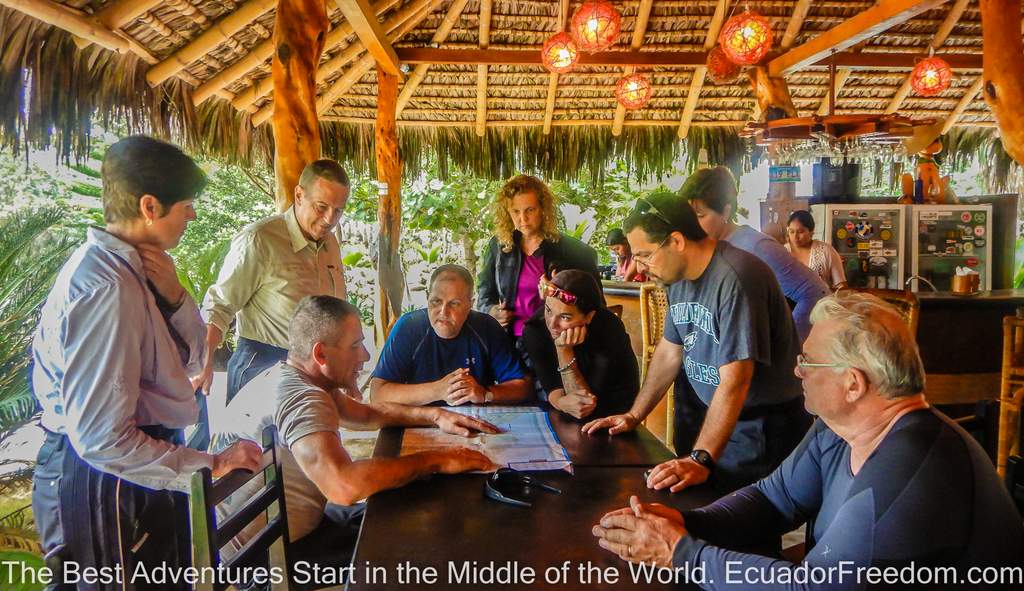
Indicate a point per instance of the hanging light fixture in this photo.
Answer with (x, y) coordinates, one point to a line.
(721, 69)
(559, 53)
(931, 76)
(633, 91)
(746, 38)
(595, 25)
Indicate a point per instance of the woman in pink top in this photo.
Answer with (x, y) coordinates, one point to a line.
(625, 267)
(526, 245)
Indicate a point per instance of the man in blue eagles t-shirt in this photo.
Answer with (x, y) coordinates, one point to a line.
(729, 336)
(448, 352)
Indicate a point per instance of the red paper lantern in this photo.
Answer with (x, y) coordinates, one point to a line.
(559, 53)
(746, 38)
(931, 76)
(595, 25)
(721, 69)
(633, 91)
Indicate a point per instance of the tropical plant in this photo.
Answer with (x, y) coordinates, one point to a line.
(199, 273)
(33, 246)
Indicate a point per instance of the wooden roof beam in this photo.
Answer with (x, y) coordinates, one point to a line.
(679, 59)
(69, 20)
(952, 17)
(796, 22)
(965, 101)
(481, 70)
(117, 14)
(842, 74)
(262, 52)
(697, 82)
(866, 24)
(209, 39)
(365, 25)
(549, 104)
(359, 69)
(643, 15)
(409, 88)
(411, 14)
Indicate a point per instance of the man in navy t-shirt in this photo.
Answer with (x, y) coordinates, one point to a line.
(448, 353)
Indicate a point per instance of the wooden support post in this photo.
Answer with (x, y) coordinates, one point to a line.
(1004, 71)
(697, 81)
(952, 18)
(389, 211)
(299, 29)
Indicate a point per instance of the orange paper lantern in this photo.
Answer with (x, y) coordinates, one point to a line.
(559, 53)
(633, 91)
(931, 76)
(595, 25)
(721, 69)
(746, 38)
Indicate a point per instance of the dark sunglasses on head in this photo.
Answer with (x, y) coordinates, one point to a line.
(644, 205)
(547, 289)
(514, 488)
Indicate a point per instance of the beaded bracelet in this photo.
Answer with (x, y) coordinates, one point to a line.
(567, 366)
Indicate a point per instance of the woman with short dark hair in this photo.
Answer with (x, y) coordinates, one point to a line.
(580, 350)
(819, 256)
(713, 196)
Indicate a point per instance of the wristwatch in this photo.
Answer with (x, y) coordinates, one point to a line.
(488, 396)
(703, 458)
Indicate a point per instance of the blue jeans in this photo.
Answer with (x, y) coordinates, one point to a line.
(249, 360)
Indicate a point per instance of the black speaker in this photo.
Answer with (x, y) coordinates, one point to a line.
(836, 183)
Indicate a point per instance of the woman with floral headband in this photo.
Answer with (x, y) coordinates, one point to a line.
(526, 245)
(580, 350)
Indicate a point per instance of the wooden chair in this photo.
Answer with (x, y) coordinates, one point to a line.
(653, 307)
(208, 536)
(904, 301)
(1011, 392)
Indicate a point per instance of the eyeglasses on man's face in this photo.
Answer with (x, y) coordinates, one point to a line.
(802, 363)
(645, 260)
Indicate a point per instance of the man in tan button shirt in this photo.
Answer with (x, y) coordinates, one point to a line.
(271, 266)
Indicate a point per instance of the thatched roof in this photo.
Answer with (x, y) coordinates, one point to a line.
(73, 85)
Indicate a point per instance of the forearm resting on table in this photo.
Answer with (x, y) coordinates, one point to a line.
(342, 481)
(664, 368)
(511, 391)
(725, 407)
(414, 394)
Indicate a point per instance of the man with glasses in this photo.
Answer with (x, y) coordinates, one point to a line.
(882, 480)
(448, 353)
(271, 266)
(729, 337)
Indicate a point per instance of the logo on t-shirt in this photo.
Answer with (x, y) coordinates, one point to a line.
(689, 341)
(695, 314)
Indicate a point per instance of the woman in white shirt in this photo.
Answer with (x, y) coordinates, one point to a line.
(821, 257)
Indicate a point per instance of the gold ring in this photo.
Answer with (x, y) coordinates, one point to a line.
(629, 551)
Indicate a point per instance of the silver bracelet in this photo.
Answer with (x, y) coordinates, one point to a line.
(567, 366)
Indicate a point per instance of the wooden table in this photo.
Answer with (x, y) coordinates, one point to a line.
(446, 523)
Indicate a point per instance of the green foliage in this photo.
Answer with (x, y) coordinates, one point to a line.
(354, 260)
(230, 202)
(33, 247)
(27, 185)
(87, 189)
(86, 170)
(608, 203)
(198, 274)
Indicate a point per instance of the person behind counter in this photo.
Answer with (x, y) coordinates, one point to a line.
(819, 256)
(580, 350)
(713, 196)
(526, 245)
(625, 266)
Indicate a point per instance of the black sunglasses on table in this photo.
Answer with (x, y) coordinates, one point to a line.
(511, 487)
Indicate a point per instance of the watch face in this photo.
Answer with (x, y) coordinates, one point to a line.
(702, 457)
